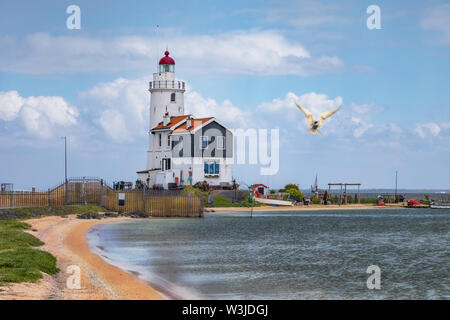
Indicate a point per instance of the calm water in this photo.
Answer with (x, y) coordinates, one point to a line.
(281, 255)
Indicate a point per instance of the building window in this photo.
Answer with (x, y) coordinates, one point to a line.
(168, 140)
(221, 142)
(172, 97)
(165, 164)
(204, 142)
(160, 139)
(211, 168)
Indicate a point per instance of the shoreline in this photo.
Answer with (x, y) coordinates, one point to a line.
(65, 239)
(312, 207)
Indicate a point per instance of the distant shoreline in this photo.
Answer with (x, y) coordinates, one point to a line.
(313, 207)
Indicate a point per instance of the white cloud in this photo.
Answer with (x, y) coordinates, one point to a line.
(119, 106)
(225, 112)
(39, 115)
(361, 126)
(422, 130)
(437, 18)
(365, 108)
(240, 52)
(114, 125)
(10, 104)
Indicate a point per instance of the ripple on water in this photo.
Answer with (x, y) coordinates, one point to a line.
(313, 255)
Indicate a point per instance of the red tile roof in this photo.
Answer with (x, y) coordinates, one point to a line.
(195, 123)
(173, 121)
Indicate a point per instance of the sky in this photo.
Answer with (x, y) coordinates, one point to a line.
(246, 63)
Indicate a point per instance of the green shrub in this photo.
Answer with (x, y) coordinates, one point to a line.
(189, 190)
(291, 186)
(315, 200)
(295, 194)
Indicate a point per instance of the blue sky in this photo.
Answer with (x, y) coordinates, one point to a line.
(247, 63)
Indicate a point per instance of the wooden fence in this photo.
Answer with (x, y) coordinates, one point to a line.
(155, 203)
(18, 199)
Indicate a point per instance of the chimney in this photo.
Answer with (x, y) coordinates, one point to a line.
(166, 119)
(188, 122)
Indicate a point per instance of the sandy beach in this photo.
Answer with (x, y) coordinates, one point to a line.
(65, 239)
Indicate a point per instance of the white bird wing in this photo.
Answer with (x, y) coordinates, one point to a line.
(326, 115)
(308, 115)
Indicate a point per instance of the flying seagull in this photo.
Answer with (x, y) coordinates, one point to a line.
(315, 125)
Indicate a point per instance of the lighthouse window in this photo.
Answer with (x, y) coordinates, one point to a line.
(160, 138)
(172, 97)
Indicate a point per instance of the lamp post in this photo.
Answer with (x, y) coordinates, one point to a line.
(65, 168)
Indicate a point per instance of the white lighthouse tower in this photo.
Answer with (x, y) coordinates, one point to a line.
(166, 100)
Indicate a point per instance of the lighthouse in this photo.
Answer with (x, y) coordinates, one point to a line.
(166, 93)
(183, 150)
(166, 100)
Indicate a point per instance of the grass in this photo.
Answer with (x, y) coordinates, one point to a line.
(220, 201)
(20, 261)
(35, 212)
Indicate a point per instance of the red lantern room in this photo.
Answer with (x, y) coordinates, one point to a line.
(166, 64)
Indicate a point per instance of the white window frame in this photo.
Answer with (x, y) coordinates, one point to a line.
(221, 138)
(209, 162)
(168, 141)
(201, 142)
(160, 140)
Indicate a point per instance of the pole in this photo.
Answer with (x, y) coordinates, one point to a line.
(65, 169)
(253, 201)
(395, 195)
(65, 158)
(101, 192)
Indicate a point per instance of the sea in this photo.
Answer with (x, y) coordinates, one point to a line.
(345, 254)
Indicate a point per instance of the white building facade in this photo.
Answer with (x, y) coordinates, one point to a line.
(183, 150)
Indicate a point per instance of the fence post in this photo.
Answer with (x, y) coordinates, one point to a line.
(11, 200)
(202, 205)
(101, 193)
(84, 191)
(48, 196)
(67, 191)
(143, 199)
